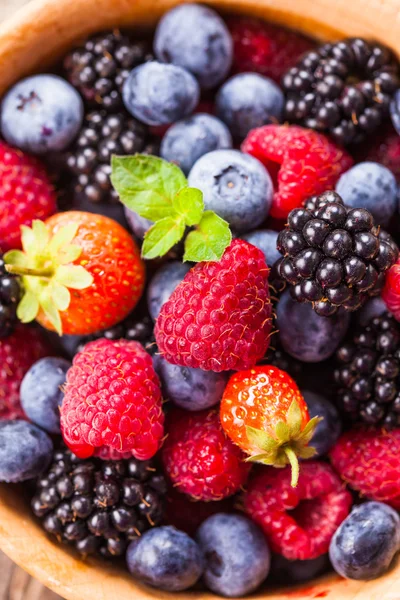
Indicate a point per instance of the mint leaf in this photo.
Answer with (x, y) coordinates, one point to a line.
(209, 240)
(162, 236)
(188, 203)
(147, 184)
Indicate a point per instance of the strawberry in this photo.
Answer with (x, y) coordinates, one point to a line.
(89, 254)
(198, 457)
(298, 523)
(25, 194)
(369, 461)
(219, 316)
(264, 413)
(18, 352)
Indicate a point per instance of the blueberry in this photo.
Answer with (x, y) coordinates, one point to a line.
(189, 139)
(159, 94)
(374, 307)
(284, 571)
(365, 543)
(165, 558)
(138, 224)
(329, 429)
(41, 393)
(236, 554)
(247, 101)
(192, 389)
(25, 451)
(196, 38)
(163, 284)
(304, 334)
(235, 185)
(41, 114)
(395, 111)
(265, 240)
(372, 186)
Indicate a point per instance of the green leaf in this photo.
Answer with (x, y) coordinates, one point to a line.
(51, 311)
(41, 234)
(74, 276)
(69, 254)
(294, 418)
(308, 431)
(282, 432)
(63, 237)
(147, 184)
(60, 295)
(188, 203)
(162, 236)
(16, 258)
(306, 452)
(210, 239)
(260, 439)
(265, 459)
(28, 308)
(28, 240)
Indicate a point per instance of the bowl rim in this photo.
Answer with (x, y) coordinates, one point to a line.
(30, 40)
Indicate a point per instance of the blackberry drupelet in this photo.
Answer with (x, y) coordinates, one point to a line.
(101, 136)
(342, 89)
(334, 256)
(9, 297)
(99, 67)
(99, 507)
(368, 373)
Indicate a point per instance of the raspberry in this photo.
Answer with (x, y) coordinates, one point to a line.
(299, 523)
(302, 162)
(198, 457)
(264, 48)
(18, 353)
(219, 317)
(25, 194)
(112, 402)
(369, 461)
(391, 290)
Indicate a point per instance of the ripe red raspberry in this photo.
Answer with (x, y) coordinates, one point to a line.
(219, 316)
(302, 163)
(369, 461)
(18, 352)
(264, 48)
(386, 151)
(112, 402)
(198, 457)
(391, 290)
(25, 194)
(298, 522)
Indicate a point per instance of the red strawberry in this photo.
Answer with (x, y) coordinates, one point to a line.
(391, 290)
(369, 461)
(81, 272)
(263, 412)
(298, 523)
(198, 457)
(264, 48)
(18, 353)
(219, 316)
(302, 163)
(112, 402)
(25, 194)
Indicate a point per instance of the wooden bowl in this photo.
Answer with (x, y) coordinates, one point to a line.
(31, 41)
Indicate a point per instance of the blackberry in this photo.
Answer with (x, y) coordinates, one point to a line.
(89, 159)
(342, 89)
(96, 506)
(334, 256)
(99, 67)
(368, 373)
(9, 297)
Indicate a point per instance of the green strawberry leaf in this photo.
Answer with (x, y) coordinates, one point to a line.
(50, 309)
(74, 276)
(188, 203)
(209, 240)
(28, 308)
(17, 258)
(162, 236)
(147, 184)
(294, 418)
(261, 440)
(60, 295)
(63, 237)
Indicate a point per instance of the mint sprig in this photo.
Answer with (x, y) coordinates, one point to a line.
(159, 191)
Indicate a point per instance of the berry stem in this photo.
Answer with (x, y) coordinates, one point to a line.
(15, 270)
(294, 463)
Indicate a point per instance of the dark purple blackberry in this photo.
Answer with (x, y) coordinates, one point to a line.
(9, 297)
(96, 506)
(333, 256)
(89, 159)
(368, 373)
(342, 89)
(99, 67)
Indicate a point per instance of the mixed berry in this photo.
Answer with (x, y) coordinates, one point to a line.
(200, 302)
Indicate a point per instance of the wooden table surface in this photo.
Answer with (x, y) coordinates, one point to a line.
(16, 584)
